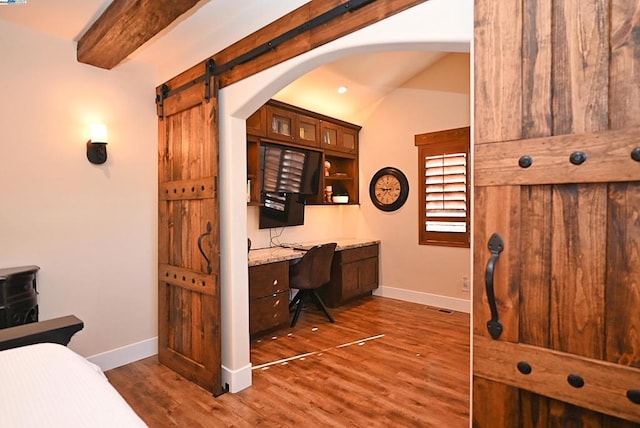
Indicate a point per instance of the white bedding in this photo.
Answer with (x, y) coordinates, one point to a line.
(48, 385)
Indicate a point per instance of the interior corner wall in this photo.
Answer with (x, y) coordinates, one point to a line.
(90, 228)
(436, 100)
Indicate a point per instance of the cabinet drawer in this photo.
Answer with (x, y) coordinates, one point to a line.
(347, 256)
(268, 312)
(268, 279)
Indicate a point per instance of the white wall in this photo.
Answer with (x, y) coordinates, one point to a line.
(91, 229)
(436, 100)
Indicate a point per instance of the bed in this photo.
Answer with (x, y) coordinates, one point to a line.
(45, 384)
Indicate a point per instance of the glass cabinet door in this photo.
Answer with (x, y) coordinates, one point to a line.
(280, 123)
(308, 130)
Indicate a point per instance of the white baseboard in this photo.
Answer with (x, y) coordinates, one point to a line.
(459, 305)
(126, 354)
(237, 379)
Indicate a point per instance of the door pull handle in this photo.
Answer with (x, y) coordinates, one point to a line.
(208, 232)
(496, 245)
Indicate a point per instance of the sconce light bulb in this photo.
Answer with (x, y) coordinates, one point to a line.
(98, 133)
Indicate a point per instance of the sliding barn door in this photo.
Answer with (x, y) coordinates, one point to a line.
(556, 324)
(188, 229)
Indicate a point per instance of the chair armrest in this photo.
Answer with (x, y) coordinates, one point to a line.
(57, 330)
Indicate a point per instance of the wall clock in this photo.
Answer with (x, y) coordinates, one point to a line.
(389, 189)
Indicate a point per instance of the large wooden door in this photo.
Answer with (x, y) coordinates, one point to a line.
(557, 178)
(188, 229)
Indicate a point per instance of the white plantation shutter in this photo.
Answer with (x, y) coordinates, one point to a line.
(446, 192)
(443, 159)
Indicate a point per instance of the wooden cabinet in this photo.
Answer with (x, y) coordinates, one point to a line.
(308, 130)
(354, 273)
(253, 169)
(339, 138)
(280, 124)
(257, 123)
(268, 297)
(342, 175)
(283, 123)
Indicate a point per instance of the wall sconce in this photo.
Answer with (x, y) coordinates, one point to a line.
(97, 145)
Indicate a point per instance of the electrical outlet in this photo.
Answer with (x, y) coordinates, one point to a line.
(465, 284)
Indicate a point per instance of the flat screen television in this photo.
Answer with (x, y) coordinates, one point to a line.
(289, 169)
(280, 210)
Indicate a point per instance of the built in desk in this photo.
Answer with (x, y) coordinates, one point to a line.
(354, 273)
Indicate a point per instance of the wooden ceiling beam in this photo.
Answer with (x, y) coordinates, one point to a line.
(125, 26)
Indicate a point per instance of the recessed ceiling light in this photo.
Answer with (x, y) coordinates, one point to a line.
(342, 89)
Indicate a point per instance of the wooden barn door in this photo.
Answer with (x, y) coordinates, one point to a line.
(557, 180)
(188, 229)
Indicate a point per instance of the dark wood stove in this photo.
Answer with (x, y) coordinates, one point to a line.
(18, 296)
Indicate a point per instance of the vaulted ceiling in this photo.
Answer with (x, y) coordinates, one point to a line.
(368, 77)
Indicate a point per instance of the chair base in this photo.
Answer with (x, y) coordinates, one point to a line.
(297, 304)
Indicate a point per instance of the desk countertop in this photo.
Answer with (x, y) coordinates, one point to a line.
(279, 254)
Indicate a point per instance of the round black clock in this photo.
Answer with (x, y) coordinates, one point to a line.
(389, 189)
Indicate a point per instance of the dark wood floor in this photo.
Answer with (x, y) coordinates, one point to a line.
(404, 365)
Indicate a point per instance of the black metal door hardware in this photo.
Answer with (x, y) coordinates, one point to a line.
(578, 158)
(525, 161)
(496, 245)
(208, 232)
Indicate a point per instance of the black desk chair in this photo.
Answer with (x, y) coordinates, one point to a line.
(309, 273)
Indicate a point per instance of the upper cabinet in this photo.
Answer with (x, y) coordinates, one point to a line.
(291, 126)
(336, 139)
(339, 137)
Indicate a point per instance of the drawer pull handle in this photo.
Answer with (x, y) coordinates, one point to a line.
(634, 395)
(275, 282)
(635, 154)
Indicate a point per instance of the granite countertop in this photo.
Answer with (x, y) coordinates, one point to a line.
(279, 254)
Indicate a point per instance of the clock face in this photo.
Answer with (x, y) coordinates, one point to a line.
(389, 189)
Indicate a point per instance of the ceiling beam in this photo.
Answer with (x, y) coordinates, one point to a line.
(125, 26)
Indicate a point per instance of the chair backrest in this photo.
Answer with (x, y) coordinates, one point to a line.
(313, 270)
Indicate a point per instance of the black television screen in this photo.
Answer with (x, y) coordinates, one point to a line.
(280, 210)
(289, 169)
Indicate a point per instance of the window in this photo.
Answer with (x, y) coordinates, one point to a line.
(443, 159)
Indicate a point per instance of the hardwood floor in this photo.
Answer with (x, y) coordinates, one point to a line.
(383, 363)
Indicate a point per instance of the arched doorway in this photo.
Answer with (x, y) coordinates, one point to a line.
(436, 25)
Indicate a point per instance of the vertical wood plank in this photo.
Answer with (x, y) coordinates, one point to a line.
(197, 329)
(581, 66)
(535, 276)
(488, 411)
(175, 141)
(184, 323)
(501, 208)
(569, 416)
(537, 116)
(534, 410)
(537, 121)
(623, 275)
(578, 264)
(624, 89)
(497, 68)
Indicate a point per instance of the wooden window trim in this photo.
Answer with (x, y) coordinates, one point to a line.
(432, 143)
